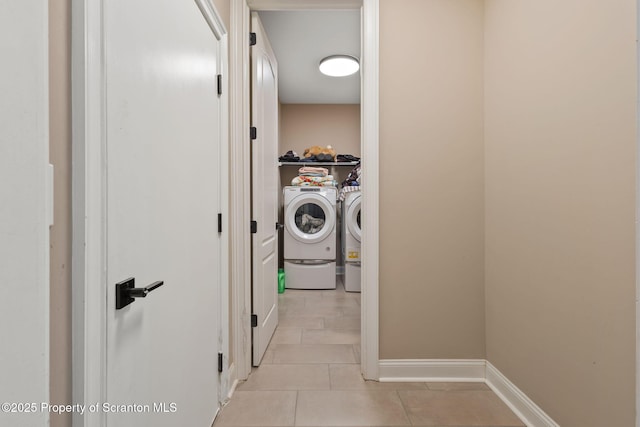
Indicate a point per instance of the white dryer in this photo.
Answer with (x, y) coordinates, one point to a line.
(351, 238)
(310, 237)
(310, 223)
(351, 226)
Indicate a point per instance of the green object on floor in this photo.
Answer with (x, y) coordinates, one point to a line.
(281, 280)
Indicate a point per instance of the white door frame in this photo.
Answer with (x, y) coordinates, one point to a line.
(241, 251)
(89, 204)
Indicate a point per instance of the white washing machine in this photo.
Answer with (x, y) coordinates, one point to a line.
(310, 237)
(351, 237)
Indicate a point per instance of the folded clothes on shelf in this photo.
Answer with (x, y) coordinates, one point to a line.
(312, 171)
(318, 181)
(289, 156)
(347, 158)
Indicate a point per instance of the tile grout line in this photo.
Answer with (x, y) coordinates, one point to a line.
(295, 410)
(406, 413)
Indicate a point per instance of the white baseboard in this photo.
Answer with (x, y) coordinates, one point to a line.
(514, 398)
(431, 370)
(233, 380)
(471, 370)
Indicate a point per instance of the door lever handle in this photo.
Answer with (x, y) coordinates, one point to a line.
(126, 292)
(142, 292)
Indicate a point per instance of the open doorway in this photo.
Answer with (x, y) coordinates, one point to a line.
(240, 154)
(318, 145)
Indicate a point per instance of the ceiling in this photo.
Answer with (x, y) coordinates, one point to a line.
(300, 39)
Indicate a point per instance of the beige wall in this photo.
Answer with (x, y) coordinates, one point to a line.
(224, 9)
(60, 157)
(431, 179)
(305, 125)
(560, 202)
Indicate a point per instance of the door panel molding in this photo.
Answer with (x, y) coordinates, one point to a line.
(89, 200)
(240, 262)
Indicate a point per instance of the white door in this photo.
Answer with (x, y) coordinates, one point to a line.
(25, 214)
(162, 127)
(265, 188)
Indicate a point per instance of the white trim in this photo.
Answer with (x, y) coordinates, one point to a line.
(212, 17)
(432, 370)
(370, 192)
(241, 256)
(89, 203)
(233, 381)
(240, 188)
(214, 20)
(89, 211)
(49, 194)
(226, 398)
(516, 400)
(232, 389)
(227, 375)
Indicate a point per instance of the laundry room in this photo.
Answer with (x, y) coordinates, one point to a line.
(315, 124)
(319, 143)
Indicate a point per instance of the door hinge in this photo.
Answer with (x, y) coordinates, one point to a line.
(219, 223)
(252, 39)
(219, 84)
(253, 132)
(254, 227)
(254, 320)
(220, 362)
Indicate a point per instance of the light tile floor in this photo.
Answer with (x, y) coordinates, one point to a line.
(310, 376)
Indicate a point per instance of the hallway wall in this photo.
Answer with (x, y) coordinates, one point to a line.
(60, 254)
(431, 179)
(560, 204)
(224, 9)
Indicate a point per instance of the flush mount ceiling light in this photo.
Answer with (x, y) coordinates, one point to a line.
(339, 65)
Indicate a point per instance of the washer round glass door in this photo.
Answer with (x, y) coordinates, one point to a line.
(353, 218)
(310, 218)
